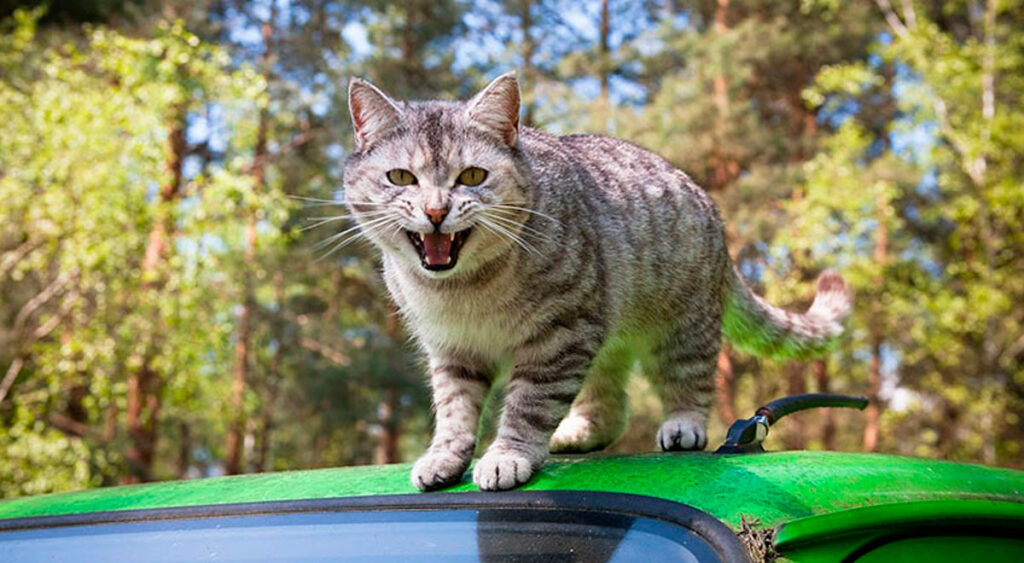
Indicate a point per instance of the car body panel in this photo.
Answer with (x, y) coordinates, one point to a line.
(887, 531)
(771, 488)
(953, 549)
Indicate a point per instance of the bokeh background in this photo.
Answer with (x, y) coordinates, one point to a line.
(168, 167)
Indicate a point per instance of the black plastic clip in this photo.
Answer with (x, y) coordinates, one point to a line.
(746, 435)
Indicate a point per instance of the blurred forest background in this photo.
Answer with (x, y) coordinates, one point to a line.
(165, 311)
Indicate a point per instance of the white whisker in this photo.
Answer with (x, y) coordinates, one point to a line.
(523, 235)
(323, 204)
(320, 223)
(360, 235)
(318, 202)
(526, 209)
(508, 234)
(377, 203)
(508, 222)
(314, 199)
(324, 220)
(336, 236)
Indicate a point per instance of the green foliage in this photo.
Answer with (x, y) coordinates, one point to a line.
(947, 296)
(832, 134)
(83, 153)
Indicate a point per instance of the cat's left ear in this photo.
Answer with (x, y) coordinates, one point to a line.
(496, 108)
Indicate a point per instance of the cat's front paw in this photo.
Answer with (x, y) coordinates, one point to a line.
(503, 470)
(438, 469)
(683, 432)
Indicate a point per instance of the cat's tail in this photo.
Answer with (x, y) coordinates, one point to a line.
(755, 326)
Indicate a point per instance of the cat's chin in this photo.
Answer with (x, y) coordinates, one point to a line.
(437, 274)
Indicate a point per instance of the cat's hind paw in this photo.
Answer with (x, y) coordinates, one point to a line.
(437, 470)
(500, 471)
(683, 433)
(576, 434)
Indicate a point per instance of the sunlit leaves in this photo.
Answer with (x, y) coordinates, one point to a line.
(83, 155)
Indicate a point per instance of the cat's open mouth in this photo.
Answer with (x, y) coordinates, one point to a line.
(438, 251)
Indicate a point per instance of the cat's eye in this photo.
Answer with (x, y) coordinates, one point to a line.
(401, 177)
(472, 176)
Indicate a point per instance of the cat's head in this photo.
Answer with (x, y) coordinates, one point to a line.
(436, 184)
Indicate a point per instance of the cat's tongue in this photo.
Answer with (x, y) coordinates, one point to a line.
(438, 248)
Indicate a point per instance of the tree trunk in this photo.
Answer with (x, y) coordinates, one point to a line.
(526, 50)
(320, 441)
(272, 384)
(184, 449)
(233, 447)
(77, 395)
(604, 50)
(795, 437)
(724, 382)
(873, 410)
(387, 446)
(417, 81)
(873, 413)
(949, 421)
(724, 169)
(240, 373)
(144, 388)
(828, 424)
(876, 324)
(984, 221)
(145, 384)
(263, 449)
(387, 450)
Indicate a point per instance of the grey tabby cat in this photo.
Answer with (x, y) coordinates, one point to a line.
(569, 258)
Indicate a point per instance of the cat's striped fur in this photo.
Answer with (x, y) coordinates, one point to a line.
(585, 255)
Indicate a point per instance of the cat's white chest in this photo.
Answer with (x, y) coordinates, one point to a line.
(467, 326)
(480, 324)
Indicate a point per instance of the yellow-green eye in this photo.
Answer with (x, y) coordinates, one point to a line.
(472, 176)
(400, 177)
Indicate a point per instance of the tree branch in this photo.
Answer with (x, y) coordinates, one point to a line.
(909, 14)
(44, 296)
(12, 257)
(894, 21)
(53, 322)
(69, 426)
(294, 143)
(12, 373)
(325, 351)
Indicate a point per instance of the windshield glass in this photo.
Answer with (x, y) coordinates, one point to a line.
(529, 535)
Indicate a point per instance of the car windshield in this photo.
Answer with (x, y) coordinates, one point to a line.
(528, 535)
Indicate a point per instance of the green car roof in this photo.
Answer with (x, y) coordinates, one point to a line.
(772, 488)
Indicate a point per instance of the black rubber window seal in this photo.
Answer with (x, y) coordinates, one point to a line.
(716, 533)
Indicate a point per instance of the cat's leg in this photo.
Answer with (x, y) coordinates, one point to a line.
(682, 367)
(599, 414)
(548, 375)
(458, 395)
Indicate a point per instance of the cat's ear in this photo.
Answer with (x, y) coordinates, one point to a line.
(496, 108)
(373, 112)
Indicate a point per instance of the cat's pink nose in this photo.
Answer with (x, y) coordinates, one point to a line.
(436, 215)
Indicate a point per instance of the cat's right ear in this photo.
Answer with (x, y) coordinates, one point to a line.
(496, 108)
(373, 112)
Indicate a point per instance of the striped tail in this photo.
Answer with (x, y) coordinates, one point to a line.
(757, 327)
